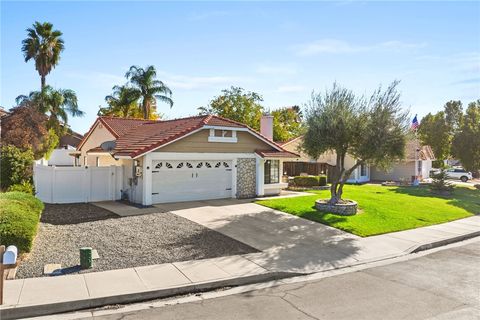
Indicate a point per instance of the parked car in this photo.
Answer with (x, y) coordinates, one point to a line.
(459, 173)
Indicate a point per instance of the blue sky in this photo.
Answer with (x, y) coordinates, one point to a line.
(282, 50)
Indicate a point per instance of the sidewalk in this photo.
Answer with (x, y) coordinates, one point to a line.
(38, 296)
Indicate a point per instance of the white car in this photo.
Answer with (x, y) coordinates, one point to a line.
(459, 173)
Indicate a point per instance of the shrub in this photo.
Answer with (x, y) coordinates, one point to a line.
(16, 166)
(25, 187)
(440, 184)
(19, 216)
(477, 186)
(322, 180)
(307, 181)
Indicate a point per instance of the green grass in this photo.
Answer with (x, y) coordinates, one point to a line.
(19, 216)
(385, 209)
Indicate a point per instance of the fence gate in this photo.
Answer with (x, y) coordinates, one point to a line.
(77, 184)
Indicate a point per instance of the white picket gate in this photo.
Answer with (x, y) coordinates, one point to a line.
(77, 184)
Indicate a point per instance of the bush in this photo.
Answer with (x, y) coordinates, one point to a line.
(15, 167)
(477, 186)
(25, 187)
(322, 181)
(307, 181)
(19, 216)
(440, 184)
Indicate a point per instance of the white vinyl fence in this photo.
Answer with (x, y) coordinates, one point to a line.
(77, 184)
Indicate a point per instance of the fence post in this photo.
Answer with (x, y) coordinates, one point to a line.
(52, 184)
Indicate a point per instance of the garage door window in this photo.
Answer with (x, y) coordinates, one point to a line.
(272, 171)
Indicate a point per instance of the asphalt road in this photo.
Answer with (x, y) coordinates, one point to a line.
(442, 285)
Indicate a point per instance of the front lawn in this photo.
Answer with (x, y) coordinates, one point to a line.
(385, 209)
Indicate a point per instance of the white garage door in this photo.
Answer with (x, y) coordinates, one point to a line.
(189, 180)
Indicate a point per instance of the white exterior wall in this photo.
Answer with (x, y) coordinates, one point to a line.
(62, 157)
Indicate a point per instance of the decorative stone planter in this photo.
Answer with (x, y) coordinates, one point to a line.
(349, 208)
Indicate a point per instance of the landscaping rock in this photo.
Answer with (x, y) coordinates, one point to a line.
(349, 208)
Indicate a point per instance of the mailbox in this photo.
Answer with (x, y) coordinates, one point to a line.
(10, 255)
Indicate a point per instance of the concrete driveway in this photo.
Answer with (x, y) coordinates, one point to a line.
(288, 243)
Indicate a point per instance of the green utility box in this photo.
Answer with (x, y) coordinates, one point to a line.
(86, 261)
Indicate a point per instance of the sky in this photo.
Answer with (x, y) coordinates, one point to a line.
(281, 50)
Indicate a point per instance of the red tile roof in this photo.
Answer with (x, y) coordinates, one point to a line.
(135, 137)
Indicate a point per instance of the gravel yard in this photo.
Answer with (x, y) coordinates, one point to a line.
(121, 242)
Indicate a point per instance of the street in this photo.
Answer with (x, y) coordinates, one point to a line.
(442, 285)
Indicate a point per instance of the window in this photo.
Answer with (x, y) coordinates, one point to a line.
(272, 171)
(222, 135)
(363, 170)
(419, 166)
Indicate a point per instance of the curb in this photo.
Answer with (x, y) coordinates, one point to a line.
(21, 312)
(444, 242)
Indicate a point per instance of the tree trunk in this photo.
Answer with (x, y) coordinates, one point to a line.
(42, 77)
(145, 107)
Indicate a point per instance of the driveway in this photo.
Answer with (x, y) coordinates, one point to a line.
(287, 242)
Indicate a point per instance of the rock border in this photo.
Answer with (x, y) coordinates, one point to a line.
(343, 209)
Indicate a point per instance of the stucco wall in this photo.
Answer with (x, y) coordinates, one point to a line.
(99, 134)
(294, 146)
(399, 171)
(198, 142)
(246, 178)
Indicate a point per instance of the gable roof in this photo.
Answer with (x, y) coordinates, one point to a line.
(135, 137)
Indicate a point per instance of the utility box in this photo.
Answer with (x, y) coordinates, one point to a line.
(86, 260)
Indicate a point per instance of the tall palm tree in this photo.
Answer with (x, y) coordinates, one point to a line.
(44, 46)
(149, 88)
(122, 102)
(56, 103)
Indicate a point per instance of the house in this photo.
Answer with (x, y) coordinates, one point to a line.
(417, 163)
(323, 165)
(61, 156)
(194, 158)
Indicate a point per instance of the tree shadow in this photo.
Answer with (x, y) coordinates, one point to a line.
(289, 243)
(465, 198)
(74, 213)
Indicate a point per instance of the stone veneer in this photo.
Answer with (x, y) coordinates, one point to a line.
(246, 178)
(343, 209)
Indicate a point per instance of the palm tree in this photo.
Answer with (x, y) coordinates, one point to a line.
(44, 46)
(56, 103)
(122, 102)
(149, 88)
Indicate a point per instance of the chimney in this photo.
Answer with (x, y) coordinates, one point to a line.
(266, 126)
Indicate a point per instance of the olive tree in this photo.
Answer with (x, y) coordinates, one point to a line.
(371, 130)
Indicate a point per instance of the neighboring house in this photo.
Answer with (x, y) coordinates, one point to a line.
(195, 158)
(418, 162)
(62, 155)
(306, 165)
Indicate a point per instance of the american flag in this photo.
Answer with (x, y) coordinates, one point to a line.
(415, 123)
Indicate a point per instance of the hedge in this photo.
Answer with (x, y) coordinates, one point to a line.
(310, 181)
(19, 217)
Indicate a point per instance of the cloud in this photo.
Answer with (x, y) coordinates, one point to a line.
(467, 81)
(290, 89)
(276, 70)
(328, 46)
(206, 15)
(188, 82)
(98, 79)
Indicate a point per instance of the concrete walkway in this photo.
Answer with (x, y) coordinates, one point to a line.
(289, 246)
